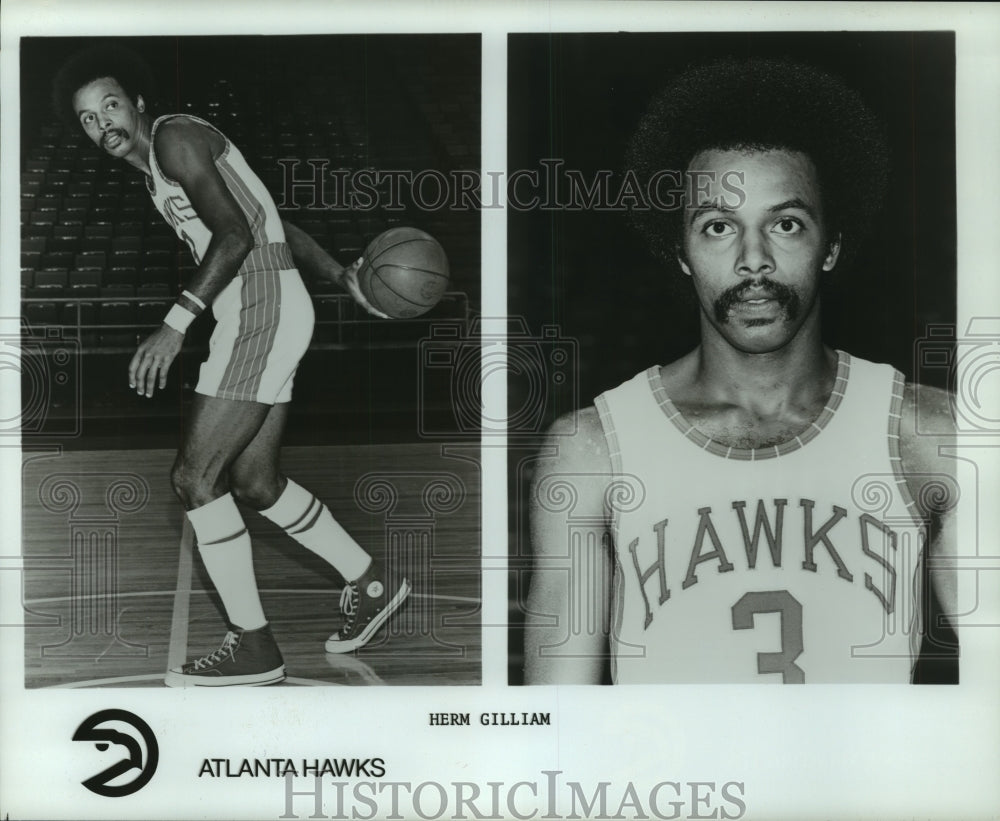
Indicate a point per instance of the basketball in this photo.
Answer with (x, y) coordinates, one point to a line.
(404, 273)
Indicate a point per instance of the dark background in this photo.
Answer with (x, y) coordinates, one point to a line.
(360, 102)
(619, 310)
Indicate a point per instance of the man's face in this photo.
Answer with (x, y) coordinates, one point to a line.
(108, 116)
(756, 265)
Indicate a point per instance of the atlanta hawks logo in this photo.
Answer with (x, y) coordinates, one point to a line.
(129, 732)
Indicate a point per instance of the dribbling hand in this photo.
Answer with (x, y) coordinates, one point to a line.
(152, 360)
(349, 280)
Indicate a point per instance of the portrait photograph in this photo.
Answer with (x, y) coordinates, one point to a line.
(656, 527)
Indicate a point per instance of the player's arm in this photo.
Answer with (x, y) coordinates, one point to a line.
(313, 260)
(931, 479)
(186, 152)
(568, 620)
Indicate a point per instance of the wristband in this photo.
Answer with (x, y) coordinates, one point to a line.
(194, 299)
(178, 318)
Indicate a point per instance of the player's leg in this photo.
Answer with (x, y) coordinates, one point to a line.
(257, 482)
(373, 592)
(218, 431)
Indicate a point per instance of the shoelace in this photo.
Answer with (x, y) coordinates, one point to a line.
(349, 605)
(218, 655)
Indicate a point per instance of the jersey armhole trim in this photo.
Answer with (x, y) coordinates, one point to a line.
(614, 452)
(895, 454)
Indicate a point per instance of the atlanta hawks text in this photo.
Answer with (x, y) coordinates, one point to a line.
(280, 767)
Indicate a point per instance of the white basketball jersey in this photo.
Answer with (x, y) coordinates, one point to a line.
(793, 563)
(270, 253)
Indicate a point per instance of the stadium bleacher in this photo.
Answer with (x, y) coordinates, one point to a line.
(100, 267)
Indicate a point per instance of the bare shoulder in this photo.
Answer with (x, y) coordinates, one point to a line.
(571, 479)
(576, 440)
(926, 430)
(927, 424)
(180, 130)
(935, 404)
(181, 141)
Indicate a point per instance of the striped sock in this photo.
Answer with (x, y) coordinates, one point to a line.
(307, 520)
(224, 545)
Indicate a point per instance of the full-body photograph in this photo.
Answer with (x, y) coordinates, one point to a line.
(246, 257)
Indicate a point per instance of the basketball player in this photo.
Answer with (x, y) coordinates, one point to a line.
(247, 274)
(759, 508)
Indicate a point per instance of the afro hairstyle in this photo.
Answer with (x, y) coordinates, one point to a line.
(100, 60)
(763, 104)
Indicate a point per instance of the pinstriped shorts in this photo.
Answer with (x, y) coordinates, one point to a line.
(265, 323)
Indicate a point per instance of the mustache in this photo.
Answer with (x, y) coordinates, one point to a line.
(786, 298)
(121, 133)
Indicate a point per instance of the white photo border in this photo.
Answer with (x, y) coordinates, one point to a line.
(797, 753)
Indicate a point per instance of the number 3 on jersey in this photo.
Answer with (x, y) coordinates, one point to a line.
(782, 602)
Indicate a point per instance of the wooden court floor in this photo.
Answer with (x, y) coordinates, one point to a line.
(114, 594)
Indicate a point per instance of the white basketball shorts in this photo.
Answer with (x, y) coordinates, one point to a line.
(265, 323)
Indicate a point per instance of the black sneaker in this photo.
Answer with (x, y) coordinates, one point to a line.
(367, 605)
(246, 658)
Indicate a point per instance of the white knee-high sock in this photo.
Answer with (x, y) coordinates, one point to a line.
(307, 520)
(224, 545)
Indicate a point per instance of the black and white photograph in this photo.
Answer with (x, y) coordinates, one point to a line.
(447, 410)
(247, 499)
(746, 505)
